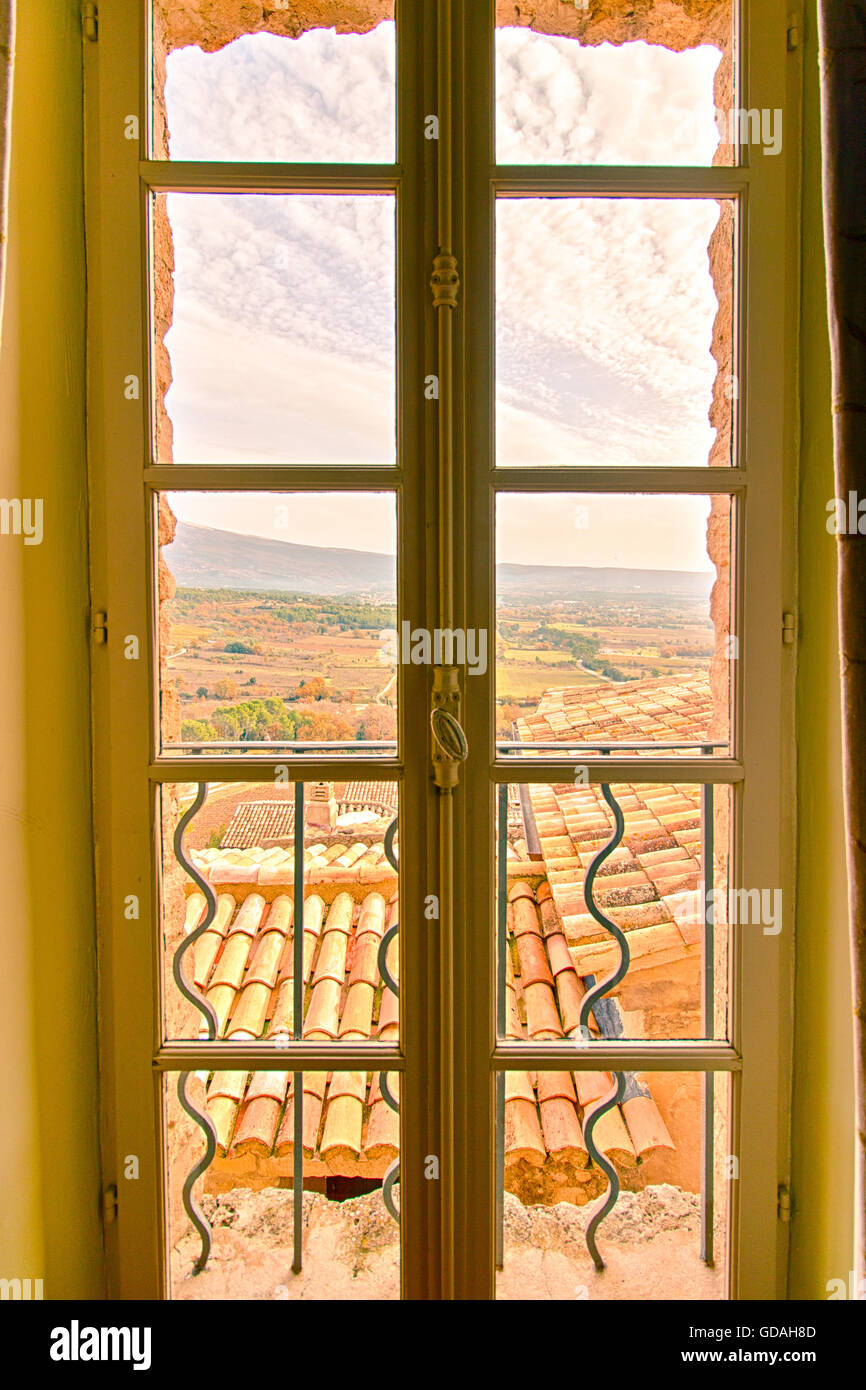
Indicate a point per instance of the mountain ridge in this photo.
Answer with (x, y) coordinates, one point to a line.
(203, 557)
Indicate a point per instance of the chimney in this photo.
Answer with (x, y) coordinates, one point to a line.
(321, 805)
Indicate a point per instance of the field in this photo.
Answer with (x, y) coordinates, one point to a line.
(258, 664)
(255, 652)
(599, 639)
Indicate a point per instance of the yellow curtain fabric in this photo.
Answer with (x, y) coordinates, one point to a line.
(843, 115)
(7, 46)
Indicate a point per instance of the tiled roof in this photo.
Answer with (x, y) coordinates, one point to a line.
(668, 708)
(271, 869)
(256, 822)
(244, 967)
(648, 885)
(544, 1110)
(377, 796)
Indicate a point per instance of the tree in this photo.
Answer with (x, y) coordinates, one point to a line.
(225, 690)
(377, 721)
(316, 688)
(323, 724)
(198, 731)
(202, 692)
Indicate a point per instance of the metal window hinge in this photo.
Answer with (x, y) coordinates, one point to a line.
(445, 281)
(90, 21)
(109, 1204)
(784, 1196)
(793, 36)
(789, 629)
(99, 627)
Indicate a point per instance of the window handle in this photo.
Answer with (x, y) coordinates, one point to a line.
(450, 745)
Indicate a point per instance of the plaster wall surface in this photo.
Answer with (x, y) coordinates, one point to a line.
(49, 1159)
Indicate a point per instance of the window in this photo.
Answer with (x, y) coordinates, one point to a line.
(439, 488)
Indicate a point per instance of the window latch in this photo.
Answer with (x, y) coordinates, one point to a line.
(450, 746)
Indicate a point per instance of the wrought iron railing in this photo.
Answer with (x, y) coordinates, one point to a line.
(210, 1029)
(624, 1084)
(190, 993)
(592, 1002)
(393, 1173)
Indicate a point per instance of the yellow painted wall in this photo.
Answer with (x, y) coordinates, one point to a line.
(49, 1170)
(48, 1138)
(823, 1121)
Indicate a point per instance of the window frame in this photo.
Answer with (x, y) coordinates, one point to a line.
(760, 770)
(129, 768)
(448, 1053)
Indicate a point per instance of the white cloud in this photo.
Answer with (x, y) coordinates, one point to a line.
(608, 304)
(282, 342)
(282, 345)
(239, 398)
(323, 97)
(560, 103)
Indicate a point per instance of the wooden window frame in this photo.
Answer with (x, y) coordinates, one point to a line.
(448, 1053)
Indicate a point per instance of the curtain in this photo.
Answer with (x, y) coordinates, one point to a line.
(7, 42)
(843, 115)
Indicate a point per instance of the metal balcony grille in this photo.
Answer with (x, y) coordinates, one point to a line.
(595, 1003)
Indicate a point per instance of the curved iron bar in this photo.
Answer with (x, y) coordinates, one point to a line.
(181, 979)
(390, 834)
(388, 1096)
(592, 997)
(603, 986)
(388, 1182)
(606, 1203)
(190, 1205)
(187, 989)
(382, 962)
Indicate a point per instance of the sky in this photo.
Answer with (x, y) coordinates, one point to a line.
(282, 343)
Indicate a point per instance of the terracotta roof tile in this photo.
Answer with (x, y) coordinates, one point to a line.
(562, 1134)
(323, 1012)
(254, 822)
(232, 960)
(344, 1122)
(542, 1018)
(358, 1011)
(534, 967)
(523, 1137)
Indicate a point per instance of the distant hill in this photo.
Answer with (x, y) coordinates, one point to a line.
(204, 558)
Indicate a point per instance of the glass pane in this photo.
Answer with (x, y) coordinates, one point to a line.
(349, 1200)
(233, 85)
(674, 1172)
(613, 623)
(271, 628)
(237, 954)
(275, 328)
(560, 80)
(554, 953)
(618, 348)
